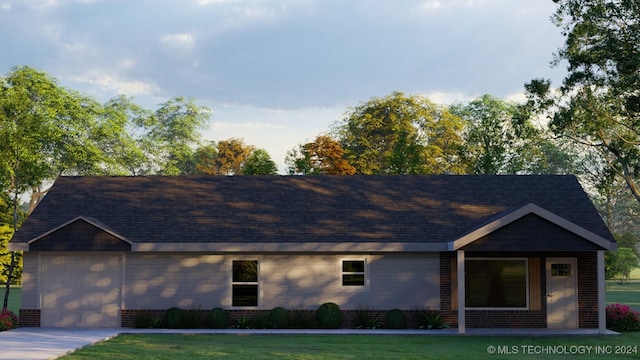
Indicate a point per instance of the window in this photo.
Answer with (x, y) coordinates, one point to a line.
(244, 283)
(560, 269)
(496, 283)
(353, 273)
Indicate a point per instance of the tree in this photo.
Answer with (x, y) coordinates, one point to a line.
(502, 139)
(493, 144)
(401, 134)
(45, 131)
(598, 104)
(6, 232)
(323, 156)
(226, 157)
(617, 206)
(259, 163)
(620, 263)
(121, 134)
(170, 134)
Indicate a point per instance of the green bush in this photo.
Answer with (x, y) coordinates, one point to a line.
(192, 319)
(367, 319)
(259, 321)
(218, 318)
(278, 318)
(145, 320)
(396, 319)
(173, 318)
(430, 319)
(303, 319)
(329, 316)
(252, 321)
(243, 323)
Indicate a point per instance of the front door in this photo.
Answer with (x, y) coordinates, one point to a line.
(562, 293)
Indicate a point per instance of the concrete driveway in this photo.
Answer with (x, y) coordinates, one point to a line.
(44, 343)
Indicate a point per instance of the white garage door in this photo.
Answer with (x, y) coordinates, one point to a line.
(80, 290)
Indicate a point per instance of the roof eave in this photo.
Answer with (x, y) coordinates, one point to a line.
(306, 247)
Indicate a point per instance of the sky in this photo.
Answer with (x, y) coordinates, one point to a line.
(279, 73)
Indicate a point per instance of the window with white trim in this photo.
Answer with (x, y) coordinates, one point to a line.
(353, 273)
(244, 283)
(500, 283)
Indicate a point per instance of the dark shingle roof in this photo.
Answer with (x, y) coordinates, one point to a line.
(304, 208)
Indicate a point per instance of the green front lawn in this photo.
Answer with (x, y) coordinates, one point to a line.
(15, 298)
(176, 347)
(627, 293)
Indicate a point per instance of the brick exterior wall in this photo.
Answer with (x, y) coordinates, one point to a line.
(588, 290)
(29, 318)
(448, 314)
(587, 295)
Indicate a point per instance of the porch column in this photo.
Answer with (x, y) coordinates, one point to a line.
(461, 294)
(602, 305)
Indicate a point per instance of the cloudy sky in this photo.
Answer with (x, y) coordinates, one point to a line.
(278, 73)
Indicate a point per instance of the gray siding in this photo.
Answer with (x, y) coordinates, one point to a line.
(290, 281)
(30, 281)
(405, 281)
(299, 282)
(182, 280)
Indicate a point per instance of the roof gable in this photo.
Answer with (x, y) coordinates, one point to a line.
(530, 228)
(80, 234)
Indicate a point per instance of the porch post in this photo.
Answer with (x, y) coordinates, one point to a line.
(461, 294)
(602, 316)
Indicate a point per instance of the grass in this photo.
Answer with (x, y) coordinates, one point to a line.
(15, 298)
(628, 293)
(176, 347)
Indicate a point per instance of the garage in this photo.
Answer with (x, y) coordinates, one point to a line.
(80, 290)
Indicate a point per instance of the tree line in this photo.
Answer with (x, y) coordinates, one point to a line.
(588, 125)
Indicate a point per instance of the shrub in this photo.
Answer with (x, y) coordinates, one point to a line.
(192, 319)
(622, 318)
(278, 318)
(243, 323)
(367, 319)
(430, 319)
(396, 319)
(8, 320)
(218, 318)
(258, 321)
(303, 319)
(329, 315)
(173, 318)
(252, 321)
(145, 320)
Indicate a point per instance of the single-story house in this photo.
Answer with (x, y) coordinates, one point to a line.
(486, 251)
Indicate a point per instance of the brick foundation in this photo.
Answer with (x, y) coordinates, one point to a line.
(29, 318)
